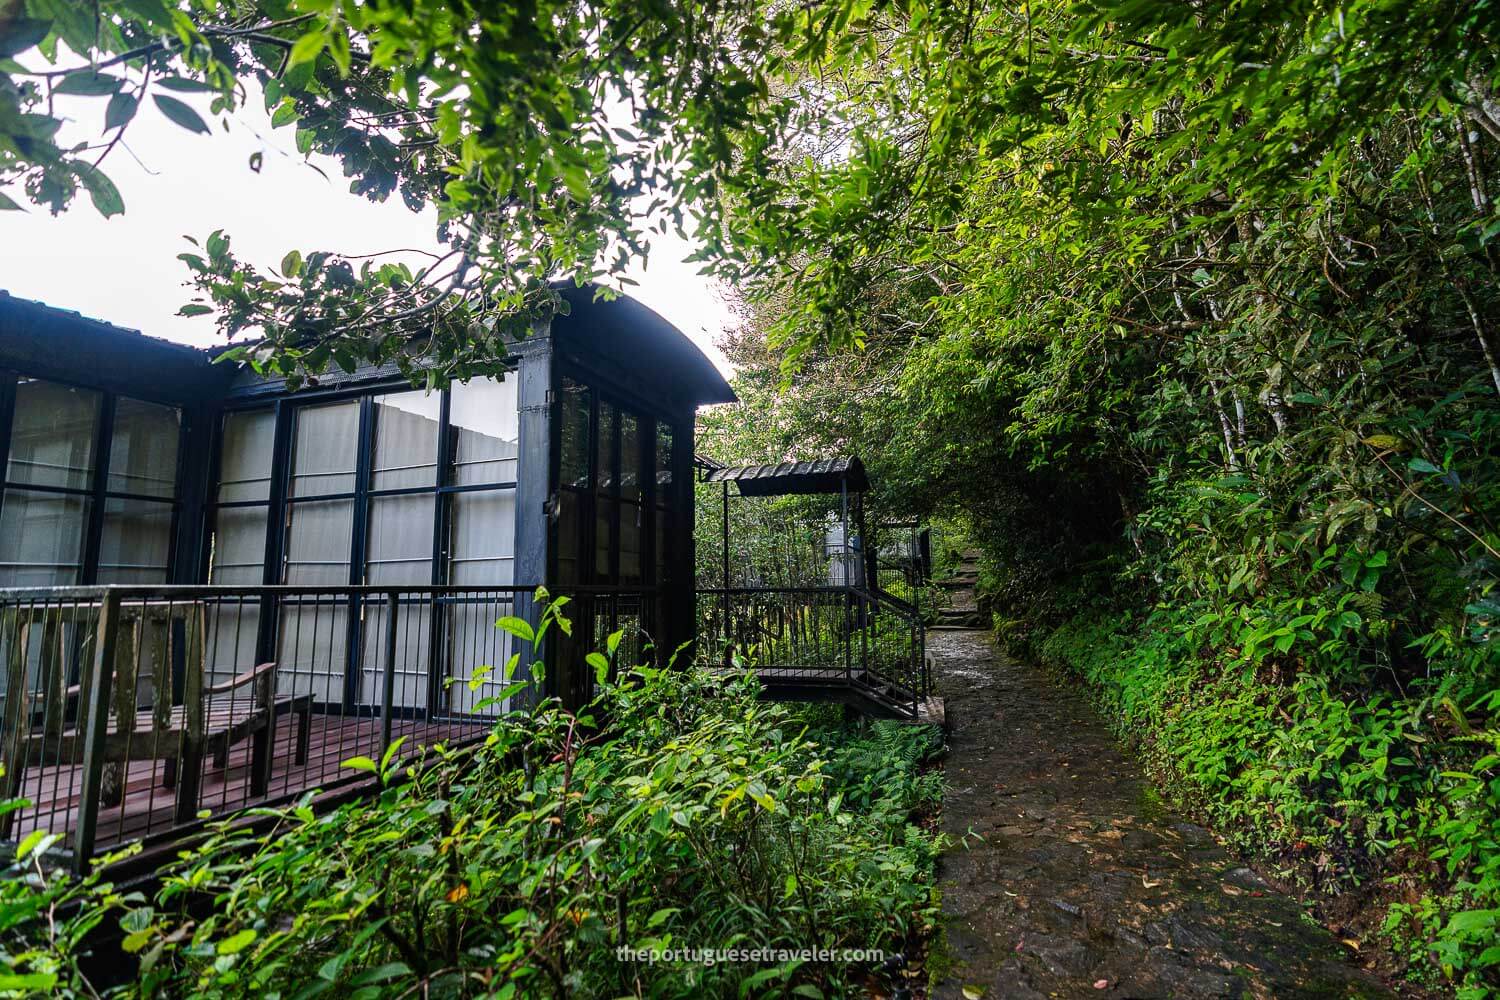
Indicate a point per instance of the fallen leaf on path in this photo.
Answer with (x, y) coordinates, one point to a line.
(973, 992)
(1351, 943)
(1101, 984)
(1148, 883)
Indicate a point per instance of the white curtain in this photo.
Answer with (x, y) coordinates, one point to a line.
(136, 541)
(486, 428)
(143, 449)
(41, 538)
(326, 449)
(52, 435)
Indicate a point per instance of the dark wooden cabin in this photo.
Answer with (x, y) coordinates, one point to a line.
(214, 591)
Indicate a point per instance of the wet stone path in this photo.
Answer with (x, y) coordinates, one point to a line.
(1065, 878)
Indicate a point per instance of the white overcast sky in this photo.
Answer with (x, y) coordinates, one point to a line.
(125, 270)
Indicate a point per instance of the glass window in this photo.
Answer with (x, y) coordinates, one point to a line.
(663, 462)
(575, 434)
(239, 546)
(399, 546)
(663, 547)
(326, 449)
(318, 534)
(41, 538)
(482, 537)
(606, 512)
(136, 543)
(569, 536)
(485, 431)
(237, 549)
(631, 535)
(406, 440)
(607, 472)
(53, 434)
(245, 456)
(630, 456)
(143, 449)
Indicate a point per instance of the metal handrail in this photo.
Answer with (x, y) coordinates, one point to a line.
(118, 724)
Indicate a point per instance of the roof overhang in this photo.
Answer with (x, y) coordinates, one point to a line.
(46, 342)
(822, 475)
(625, 336)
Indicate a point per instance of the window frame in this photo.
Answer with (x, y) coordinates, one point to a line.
(97, 493)
(280, 503)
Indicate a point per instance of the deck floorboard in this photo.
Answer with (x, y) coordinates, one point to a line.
(146, 808)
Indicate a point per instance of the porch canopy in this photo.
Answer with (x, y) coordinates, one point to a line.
(819, 476)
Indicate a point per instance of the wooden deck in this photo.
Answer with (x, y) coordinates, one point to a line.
(147, 807)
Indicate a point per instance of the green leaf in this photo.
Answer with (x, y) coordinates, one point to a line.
(180, 113)
(29, 844)
(236, 943)
(1422, 465)
(195, 309)
(87, 83)
(122, 108)
(338, 50)
(517, 627)
(22, 33)
(381, 974)
(390, 752)
(137, 940)
(102, 190)
(306, 49)
(1472, 920)
(41, 982)
(291, 264)
(361, 763)
(182, 84)
(600, 665)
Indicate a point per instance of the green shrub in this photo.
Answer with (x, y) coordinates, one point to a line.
(679, 811)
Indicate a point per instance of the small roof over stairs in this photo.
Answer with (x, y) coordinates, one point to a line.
(822, 475)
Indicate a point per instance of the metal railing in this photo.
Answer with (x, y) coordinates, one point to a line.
(819, 638)
(135, 713)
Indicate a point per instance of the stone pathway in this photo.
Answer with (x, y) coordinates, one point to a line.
(1066, 879)
(960, 604)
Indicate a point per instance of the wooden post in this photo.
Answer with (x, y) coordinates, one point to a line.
(17, 715)
(95, 730)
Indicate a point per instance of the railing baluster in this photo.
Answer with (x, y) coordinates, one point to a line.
(388, 687)
(96, 720)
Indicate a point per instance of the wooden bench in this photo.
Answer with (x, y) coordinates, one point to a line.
(206, 725)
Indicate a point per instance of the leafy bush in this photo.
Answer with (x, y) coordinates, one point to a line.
(679, 811)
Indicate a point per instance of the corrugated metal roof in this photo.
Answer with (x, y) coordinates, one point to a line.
(101, 324)
(820, 475)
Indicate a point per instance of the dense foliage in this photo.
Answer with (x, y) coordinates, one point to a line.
(1189, 308)
(697, 818)
(1191, 311)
